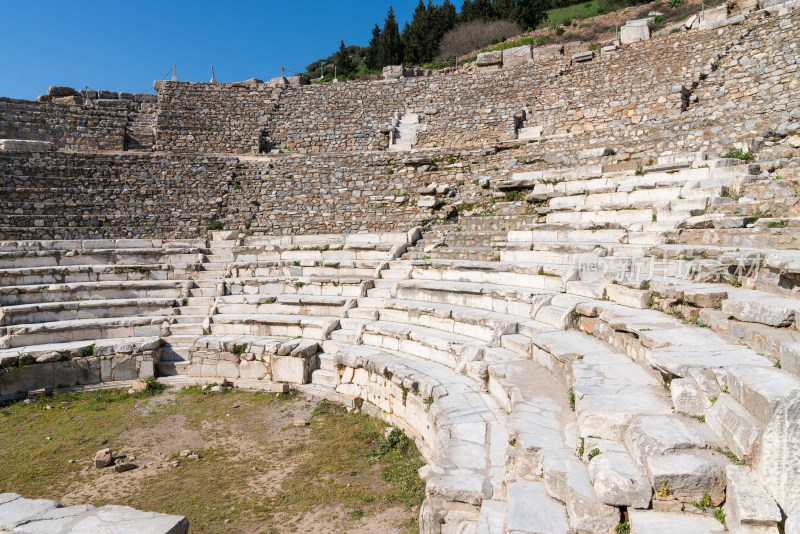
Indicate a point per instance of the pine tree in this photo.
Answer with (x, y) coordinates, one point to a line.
(482, 10)
(344, 64)
(371, 55)
(445, 19)
(416, 36)
(466, 14)
(390, 50)
(531, 12)
(506, 9)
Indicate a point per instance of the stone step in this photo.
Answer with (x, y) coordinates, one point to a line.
(173, 368)
(324, 378)
(379, 292)
(173, 353)
(652, 522)
(532, 511)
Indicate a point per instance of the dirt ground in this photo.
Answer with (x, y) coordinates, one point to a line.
(259, 467)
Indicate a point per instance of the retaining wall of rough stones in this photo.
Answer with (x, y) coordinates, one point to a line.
(755, 85)
(329, 193)
(106, 195)
(74, 127)
(213, 118)
(335, 172)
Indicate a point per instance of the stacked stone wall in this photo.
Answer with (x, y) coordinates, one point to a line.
(754, 86)
(213, 118)
(67, 196)
(73, 127)
(646, 81)
(327, 193)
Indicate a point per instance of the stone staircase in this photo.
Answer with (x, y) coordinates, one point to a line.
(140, 133)
(404, 134)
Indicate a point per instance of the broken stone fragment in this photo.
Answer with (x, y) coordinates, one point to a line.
(121, 467)
(103, 458)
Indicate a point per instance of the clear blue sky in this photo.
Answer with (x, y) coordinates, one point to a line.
(125, 45)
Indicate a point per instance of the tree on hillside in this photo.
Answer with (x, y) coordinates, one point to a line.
(416, 36)
(477, 10)
(390, 49)
(344, 64)
(531, 12)
(446, 18)
(505, 9)
(371, 54)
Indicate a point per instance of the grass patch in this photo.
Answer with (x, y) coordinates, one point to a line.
(559, 16)
(266, 475)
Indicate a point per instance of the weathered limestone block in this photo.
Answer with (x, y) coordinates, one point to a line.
(531, 510)
(734, 425)
(713, 15)
(779, 458)
(394, 72)
(754, 311)
(688, 398)
(254, 370)
(618, 481)
(654, 435)
(19, 145)
(290, 369)
(461, 485)
(688, 476)
(487, 59)
(547, 52)
(57, 90)
(635, 31)
(519, 56)
(747, 503)
(652, 522)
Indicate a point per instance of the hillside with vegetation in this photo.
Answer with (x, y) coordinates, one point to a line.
(438, 33)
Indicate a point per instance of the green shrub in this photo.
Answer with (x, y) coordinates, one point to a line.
(559, 31)
(153, 386)
(215, 224)
(738, 153)
(238, 350)
(88, 352)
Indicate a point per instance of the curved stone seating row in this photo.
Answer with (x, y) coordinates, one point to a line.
(603, 408)
(80, 330)
(289, 304)
(306, 268)
(27, 276)
(273, 325)
(35, 294)
(461, 427)
(297, 285)
(66, 256)
(86, 309)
